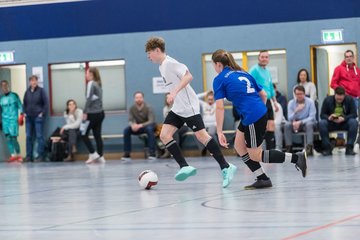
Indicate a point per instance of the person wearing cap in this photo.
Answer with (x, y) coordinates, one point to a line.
(338, 113)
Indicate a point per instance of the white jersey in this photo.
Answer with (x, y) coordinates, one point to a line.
(186, 103)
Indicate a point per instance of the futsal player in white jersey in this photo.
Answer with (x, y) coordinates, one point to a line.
(177, 78)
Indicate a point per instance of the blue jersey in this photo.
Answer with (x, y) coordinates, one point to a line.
(242, 90)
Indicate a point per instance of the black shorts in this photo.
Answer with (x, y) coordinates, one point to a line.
(270, 111)
(255, 132)
(194, 122)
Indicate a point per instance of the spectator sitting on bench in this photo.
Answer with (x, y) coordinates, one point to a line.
(70, 131)
(141, 120)
(338, 112)
(301, 116)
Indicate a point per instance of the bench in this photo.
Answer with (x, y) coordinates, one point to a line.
(143, 137)
(316, 133)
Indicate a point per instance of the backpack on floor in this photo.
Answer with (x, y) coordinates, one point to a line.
(58, 151)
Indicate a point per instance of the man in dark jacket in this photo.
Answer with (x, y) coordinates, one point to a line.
(35, 108)
(338, 112)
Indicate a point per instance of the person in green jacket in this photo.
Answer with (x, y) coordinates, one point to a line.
(11, 106)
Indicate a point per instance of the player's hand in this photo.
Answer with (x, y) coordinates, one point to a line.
(222, 140)
(276, 107)
(84, 117)
(170, 98)
(62, 131)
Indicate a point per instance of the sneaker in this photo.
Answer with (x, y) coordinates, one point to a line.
(326, 153)
(39, 159)
(12, 159)
(101, 159)
(19, 159)
(126, 158)
(259, 183)
(28, 159)
(301, 162)
(92, 158)
(228, 174)
(184, 173)
(69, 158)
(349, 150)
(152, 158)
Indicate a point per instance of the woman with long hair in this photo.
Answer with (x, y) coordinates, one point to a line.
(249, 99)
(73, 118)
(94, 113)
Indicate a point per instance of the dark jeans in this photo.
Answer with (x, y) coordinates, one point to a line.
(95, 124)
(34, 125)
(325, 126)
(149, 130)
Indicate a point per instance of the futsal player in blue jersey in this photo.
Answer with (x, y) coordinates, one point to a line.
(249, 99)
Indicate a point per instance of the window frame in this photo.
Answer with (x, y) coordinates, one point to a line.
(87, 63)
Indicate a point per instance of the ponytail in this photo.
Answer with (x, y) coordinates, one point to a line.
(226, 59)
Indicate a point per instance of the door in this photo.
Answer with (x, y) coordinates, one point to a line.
(325, 58)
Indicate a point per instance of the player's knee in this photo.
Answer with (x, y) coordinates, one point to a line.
(164, 137)
(255, 154)
(202, 136)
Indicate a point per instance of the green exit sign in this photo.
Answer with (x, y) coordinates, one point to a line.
(7, 57)
(332, 36)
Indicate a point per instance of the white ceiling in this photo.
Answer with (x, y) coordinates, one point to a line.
(14, 3)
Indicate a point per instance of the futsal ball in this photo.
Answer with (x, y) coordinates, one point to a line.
(148, 179)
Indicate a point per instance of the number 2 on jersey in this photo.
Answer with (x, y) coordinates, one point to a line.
(249, 89)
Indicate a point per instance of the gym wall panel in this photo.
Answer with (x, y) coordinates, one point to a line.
(186, 45)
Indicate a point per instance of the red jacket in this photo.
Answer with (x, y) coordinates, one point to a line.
(348, 77)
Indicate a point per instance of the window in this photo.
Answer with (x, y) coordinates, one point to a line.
(277, 67)
(210, 73)
(67, 81)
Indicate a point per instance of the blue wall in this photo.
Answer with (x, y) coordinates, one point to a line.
(185, 45)
(114, 16)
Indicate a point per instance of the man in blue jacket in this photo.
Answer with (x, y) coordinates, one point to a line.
(35, 108)
(338, 112)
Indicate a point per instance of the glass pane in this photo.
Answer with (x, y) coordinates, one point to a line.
(113, 83)
(277, 67)
(113, 79)
(67, 83)
(210, 73)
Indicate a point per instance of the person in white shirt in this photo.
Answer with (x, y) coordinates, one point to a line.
(279, 119)
(208, 109)
(73, 118)
(185, 109)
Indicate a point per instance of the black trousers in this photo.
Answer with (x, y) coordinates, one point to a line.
(95, 124)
